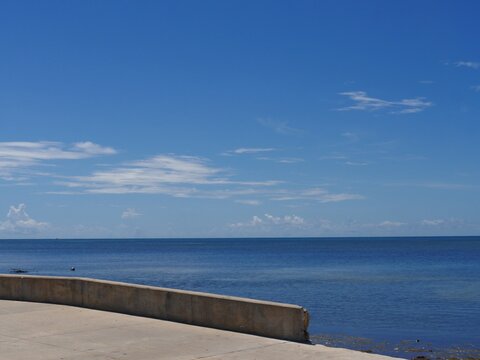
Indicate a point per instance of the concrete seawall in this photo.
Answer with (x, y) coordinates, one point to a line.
(263, 318)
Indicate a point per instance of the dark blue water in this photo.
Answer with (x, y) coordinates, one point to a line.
(383, 288)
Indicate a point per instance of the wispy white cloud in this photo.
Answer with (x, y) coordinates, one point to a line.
(289, 160)
(469, 64)
(361, 101)
(449, 223)
(327, 198)
(253, 151)
(433, 222)
(130, 213)
(17, 156)
(476, 88)
(281, 127)
(321, 195)
(268, 220)
(255, 221)
(19, 222)
(179, 176)
(282, 160)
(426, 82)
(188, 177)
(388, 223)
(270, 225)
(287, 219)
(91, 149)
(356, 163)
(49, 150)
(333, 157)
(248, 202)
(241, 151)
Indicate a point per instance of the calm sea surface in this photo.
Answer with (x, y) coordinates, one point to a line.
(387, 289)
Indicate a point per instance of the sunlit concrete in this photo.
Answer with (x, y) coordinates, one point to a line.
(47, 331)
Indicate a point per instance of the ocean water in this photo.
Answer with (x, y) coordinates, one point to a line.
(385, 289)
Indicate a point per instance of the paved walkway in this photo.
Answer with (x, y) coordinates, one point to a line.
(34, 331)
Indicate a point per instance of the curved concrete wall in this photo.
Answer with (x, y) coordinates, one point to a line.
(281, 321)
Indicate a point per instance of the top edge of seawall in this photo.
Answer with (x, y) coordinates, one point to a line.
(151, 287)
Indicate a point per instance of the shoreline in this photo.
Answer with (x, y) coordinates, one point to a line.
(411, 349)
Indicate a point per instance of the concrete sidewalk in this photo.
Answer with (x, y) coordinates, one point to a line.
(34, 331)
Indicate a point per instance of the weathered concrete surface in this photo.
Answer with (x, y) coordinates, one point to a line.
(275, 320)
(46, 332)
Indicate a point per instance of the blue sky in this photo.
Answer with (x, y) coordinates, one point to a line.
(237, 118)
